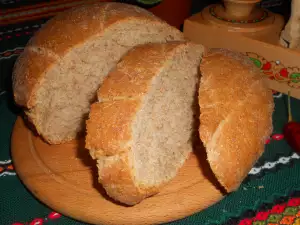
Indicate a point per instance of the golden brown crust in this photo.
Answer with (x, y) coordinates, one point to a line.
(30, 63)
(66, 30)
(132, 74)
(109, 125)
(118, 181)
(120, 95)
(236, 114)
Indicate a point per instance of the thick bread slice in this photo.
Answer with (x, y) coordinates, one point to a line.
(140, 132)
(56, 77)
(235, 114)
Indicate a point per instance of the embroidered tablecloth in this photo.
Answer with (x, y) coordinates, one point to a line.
(270, 195)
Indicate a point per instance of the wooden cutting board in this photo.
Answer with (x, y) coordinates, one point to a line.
(64, 177)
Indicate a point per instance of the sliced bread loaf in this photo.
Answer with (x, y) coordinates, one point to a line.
(235, 114)
(56, 78)
(141, 130)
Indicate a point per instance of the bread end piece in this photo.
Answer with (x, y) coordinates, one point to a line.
(235, 114)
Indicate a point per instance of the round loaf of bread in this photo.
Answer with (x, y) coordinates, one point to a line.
(142, 129)
(56, 78)
(235, 114)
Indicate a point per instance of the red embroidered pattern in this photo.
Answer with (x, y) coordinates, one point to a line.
(40, 221)
(9, 36)
(281, 214)
(6, 168)
(10, 53)
(275, 137)
(35, 27)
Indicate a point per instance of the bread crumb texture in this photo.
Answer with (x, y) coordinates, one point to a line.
(57, 76)
(141, 129)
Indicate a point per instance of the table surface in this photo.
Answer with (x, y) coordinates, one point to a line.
(270, 195)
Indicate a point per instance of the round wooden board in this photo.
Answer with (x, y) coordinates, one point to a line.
(64, 177)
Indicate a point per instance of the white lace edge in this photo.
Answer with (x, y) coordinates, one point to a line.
(271, 165)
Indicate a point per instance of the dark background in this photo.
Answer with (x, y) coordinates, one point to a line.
(278, 6)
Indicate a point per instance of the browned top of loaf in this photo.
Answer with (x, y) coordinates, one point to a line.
(109, 123)
(62, 33)
(236, 114)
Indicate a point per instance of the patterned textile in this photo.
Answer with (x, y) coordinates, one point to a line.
(270, 195)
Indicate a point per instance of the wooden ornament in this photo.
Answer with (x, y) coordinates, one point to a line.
(242, 26)
(245, 18)
(290, 36)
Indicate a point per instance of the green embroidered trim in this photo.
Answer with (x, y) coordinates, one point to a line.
(262, 191)
(250, 196)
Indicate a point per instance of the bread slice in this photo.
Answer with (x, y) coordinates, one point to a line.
(235, 114)
(56, 77)
(140, 132)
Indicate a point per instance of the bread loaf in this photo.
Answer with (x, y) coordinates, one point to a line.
(56, 78)
(140, 132)
(235, 114)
